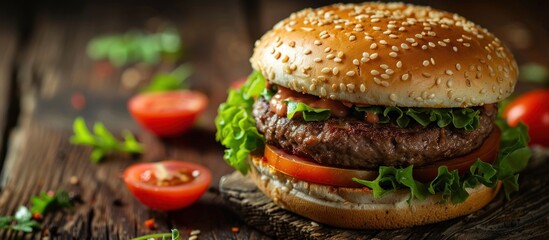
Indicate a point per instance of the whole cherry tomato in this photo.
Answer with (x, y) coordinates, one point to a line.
(532, 109)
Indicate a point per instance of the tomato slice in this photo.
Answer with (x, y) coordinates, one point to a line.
(167, 113)
(307, 170)
(167, 185)
(532, 109)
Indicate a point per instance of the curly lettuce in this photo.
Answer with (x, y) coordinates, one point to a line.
(512, 159)
(236, 126)
(466, 118)
(308, 113)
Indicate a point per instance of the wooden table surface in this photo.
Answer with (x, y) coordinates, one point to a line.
(43, 64)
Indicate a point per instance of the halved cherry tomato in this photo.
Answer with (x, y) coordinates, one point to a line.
(532, 109)
(167, 185)
(307, 170)
(167, 113)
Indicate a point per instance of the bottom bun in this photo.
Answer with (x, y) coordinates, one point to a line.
(357, 208)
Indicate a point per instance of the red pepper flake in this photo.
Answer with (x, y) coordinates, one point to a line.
(235, 229)
(37, 216)
(149, 223)
(78, 101)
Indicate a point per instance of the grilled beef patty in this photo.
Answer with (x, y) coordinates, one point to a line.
(353, 143)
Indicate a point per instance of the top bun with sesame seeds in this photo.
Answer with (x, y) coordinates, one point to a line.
(389, 54)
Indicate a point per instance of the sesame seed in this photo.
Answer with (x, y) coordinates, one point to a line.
(387, 32)
(431, 44)
(277, 55)
(337, 60)
(362, 88)
(389, 71)
(404, 46)
(385, 76)
(426, 63)
(376, 28)
(364, 59)
(325, 70)
(350, 73)
(340, 54)
(356, 62)
(307, 51)
(455, 48)
(438, 81)
(341, 86)
(410, 40)
(374, 20)
(447, 40)
(291, 43)
(399, 64)
(384, 66)
(323, 91)
(433, 61)
(450, 83)
(427, 75)
(317, 60)
(335, 70)
(373, 56)
(405, 77)
(330, 56)
(441, 43)
(368, 38)
(393, 36)
(418, 36)
(383, 42)
(393, 97)
(352, 38)
(317, 42)
(278, 44)
(467, 44)
(401, 29)
(394, 48)
(458, 66)
(424, 47)
(374, 72)
(325, 36)
(293, 67)
(393, 54)
(384, 83)
(373, 46)
(449, 72)
(377, 81)
(272, 51)
(327, 50)
(351, 87)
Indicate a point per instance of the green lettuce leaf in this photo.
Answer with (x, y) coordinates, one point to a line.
(236, 126)
(512, 159)
(466, 118)
(308, 113)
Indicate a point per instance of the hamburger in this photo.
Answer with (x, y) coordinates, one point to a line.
(376, 116)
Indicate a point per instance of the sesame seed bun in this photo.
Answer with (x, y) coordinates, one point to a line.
(387, 54)
(356, 208)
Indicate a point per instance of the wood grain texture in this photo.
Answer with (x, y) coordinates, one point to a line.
(525, 216)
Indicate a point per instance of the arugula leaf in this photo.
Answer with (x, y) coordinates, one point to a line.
(175, 235)
(236, 126)
(170, 81)
(466, 118)
(21, 221)
(307, 113)
(512, 159)
(103, 142)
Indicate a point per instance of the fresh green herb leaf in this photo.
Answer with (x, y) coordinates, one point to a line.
(307, 113)
(236, 126)
(512, 158)
(21, 221)
(170, 81)
(173, 235)
(466, 118)
(103, 142)
(46, 202)
(136, 46)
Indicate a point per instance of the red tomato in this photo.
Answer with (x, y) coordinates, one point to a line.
(238, 83)
(313, 172)
(167, 185)
(532, 109)
(167, 113)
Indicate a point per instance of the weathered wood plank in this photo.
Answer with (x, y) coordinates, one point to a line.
(8, 46)
(526, 215)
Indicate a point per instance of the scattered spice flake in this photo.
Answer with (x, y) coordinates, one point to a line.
(235, 229)
(150, 224)
(78, 101)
